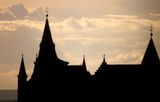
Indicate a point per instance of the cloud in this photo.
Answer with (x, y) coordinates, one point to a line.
(6, 14)
(19, 11)
(154, 14)
(121, 16)
(123, 38)
(126, 57)
(110, 23)
(90, 34)
(14, 25)
(37, 14)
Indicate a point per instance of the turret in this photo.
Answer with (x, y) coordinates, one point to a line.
(104, 63)
(47, 64)
(84, 63)
(22, 82)
(151, 55)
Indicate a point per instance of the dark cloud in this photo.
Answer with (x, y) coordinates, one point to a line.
(6, 14)
(19, 11)
(37, 14)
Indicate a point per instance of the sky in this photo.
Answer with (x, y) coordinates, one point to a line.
(120, 29)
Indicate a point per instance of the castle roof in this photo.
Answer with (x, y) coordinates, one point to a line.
(151, 55)
(22, 71)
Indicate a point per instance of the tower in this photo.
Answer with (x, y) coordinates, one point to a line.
(22, 82)
(47, 63)
(151, 64)
(48, 73)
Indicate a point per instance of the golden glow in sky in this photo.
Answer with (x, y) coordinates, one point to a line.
(117, 28)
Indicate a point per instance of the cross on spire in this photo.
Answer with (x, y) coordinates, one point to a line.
(151, 29)
(104, 60)
(83, 56)
(46, 11)
(84, 62)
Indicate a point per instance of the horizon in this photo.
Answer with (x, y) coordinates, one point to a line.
(8, 95)
(101, 27)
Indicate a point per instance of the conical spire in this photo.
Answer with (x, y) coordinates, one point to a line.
(150, 56)
(47, 47)
(104, 60)
(22, 71)
(47, 60)
(84, 62)
(47, 38)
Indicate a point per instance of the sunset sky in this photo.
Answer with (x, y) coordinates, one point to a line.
(117, 28)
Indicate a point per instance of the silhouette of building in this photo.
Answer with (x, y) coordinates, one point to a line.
(53, 78)
(22, 82)
(51, 74)
(130, 79)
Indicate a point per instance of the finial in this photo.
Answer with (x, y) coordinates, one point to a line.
(22, 54)
(83, 56)
(46, 10)
(151, 29)
(104, 57)
(84, 62)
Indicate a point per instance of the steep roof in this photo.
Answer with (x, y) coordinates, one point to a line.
(84, 62)
(104, 63)
(22, 71)
(47, 38)
(47, 46)
(151, 55)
